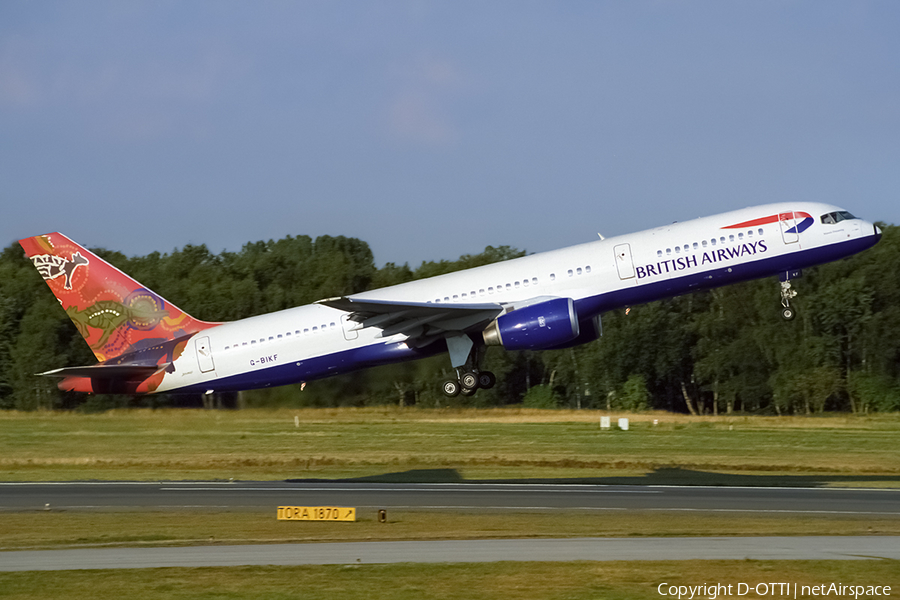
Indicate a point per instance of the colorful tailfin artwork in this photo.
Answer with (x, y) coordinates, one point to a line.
(121, 320)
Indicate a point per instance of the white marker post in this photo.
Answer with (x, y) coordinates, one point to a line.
(623, 424)
(604, 422)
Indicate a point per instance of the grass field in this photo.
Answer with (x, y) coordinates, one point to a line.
(390, 444)
(40, 530)
(449, 445)
(525, 581)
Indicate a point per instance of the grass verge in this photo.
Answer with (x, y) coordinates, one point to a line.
(466, 444)
(546, 581)
(48, 530)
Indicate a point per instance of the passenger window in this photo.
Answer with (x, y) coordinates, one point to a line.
(552, 276)
(713, 241)
(570, 272)
(740, 236)
(750, 233)
(759, 231)
(668, 251)
(508, 286)
(306, 330)
(280, 336)
(722, 239)
(704, 243)
(490, 290)
(481, 292)
(517, 285)
(731, 238)
(271, 338)
(677, 249)
(578, 270)
(472, 293)
(463, 294)
(252, 342)
(227, 347)
(659, 253)
(695, 245)
(525, 282)
(243, 343)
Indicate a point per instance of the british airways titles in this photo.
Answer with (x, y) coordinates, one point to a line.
(713, 256)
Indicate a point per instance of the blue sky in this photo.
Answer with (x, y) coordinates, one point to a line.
(432, 129)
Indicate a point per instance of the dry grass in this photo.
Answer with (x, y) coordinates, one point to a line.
(494, 444)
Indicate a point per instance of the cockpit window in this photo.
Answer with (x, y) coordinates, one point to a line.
(836, 217)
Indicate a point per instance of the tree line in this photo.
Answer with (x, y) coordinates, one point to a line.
(717, 351)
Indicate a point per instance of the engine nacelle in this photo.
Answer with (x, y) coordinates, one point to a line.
(591, 329)
(535, 327)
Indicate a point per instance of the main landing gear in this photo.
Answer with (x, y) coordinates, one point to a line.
(787, 313)
(465, 358)
(468, 382)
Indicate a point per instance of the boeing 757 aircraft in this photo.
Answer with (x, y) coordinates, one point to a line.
(551, 300)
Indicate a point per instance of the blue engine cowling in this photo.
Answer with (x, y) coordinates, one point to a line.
(535, 327)
(591, 329)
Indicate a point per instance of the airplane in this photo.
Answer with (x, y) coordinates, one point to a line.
(144, 344)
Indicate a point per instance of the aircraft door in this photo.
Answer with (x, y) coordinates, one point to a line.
(624, 262)
(788, 224)
(347, 326)
(204, 355)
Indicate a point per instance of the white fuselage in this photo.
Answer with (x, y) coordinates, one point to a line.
(314, 341)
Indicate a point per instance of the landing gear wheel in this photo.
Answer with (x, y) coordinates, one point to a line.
(451, 388)
(469, 380)
(787, 313)
(486, 380)
(469, 391)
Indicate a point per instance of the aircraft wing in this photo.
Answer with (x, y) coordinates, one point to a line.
(425, 321)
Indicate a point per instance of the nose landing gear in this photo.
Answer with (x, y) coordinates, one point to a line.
(788, 313)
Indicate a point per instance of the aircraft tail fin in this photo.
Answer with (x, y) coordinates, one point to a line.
(115, 314)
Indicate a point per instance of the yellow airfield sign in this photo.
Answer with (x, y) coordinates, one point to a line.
(316, 513)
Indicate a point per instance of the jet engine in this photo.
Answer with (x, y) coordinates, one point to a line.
(535, 327)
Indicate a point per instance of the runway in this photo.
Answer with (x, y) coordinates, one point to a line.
(462, 551)
(254, 495)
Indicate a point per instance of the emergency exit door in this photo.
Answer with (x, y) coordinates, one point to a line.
(204, 355)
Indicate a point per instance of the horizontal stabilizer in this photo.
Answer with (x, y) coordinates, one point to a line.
(101, 371)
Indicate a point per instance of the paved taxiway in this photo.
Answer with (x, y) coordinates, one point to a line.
(462, 551)
(252, 495)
